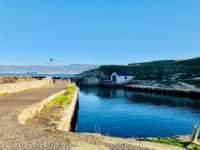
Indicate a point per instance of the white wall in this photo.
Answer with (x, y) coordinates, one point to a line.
(121, 79)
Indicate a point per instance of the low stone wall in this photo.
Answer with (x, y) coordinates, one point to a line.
(156, 90)
(66, 122)
(36, 108)
(165, 91)
(21, 86)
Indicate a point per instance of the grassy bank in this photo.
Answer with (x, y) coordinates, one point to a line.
(176, 142)
(3, 94)
(64, 99)
(58, 104)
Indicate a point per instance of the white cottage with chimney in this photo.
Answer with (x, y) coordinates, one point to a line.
(121, 77)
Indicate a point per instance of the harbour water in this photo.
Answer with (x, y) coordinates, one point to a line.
(120, 113)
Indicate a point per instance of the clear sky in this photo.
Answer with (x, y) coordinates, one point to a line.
(98, 31)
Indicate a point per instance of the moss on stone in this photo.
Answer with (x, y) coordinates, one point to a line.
(62, 100)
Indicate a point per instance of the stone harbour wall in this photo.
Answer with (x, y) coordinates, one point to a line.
(34, 109)
(66, 121)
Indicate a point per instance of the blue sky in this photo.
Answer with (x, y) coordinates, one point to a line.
(98, 31)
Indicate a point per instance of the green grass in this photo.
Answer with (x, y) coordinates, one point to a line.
(176, 142)
(193, 147)
(170, 141)
(3, 94)
(63, 100)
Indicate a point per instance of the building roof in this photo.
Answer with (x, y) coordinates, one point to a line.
(123, 73)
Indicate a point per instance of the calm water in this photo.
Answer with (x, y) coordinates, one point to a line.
(123, 113)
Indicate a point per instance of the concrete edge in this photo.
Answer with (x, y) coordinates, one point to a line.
(34, 109)
(10, 88)
(65, 123)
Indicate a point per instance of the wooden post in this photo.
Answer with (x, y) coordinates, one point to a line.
(195, 134)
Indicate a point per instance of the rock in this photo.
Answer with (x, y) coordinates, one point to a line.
(92, 81)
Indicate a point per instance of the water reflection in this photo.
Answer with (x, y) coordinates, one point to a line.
(141, 97)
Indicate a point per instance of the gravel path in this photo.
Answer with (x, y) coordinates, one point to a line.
(14, 136)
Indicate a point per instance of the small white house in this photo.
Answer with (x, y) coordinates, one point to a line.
(121, 77)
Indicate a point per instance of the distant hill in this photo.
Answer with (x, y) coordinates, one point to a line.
(190, 62)
(160, 62)
(68, 69)
(155, 70)
(187, 62)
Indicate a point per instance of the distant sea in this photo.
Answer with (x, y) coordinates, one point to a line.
(39, 75)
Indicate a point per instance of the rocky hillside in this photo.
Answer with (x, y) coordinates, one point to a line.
(164, 70)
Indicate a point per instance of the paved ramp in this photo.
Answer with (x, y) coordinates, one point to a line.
(18, 101)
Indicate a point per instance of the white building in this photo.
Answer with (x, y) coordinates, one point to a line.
(121, 77)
